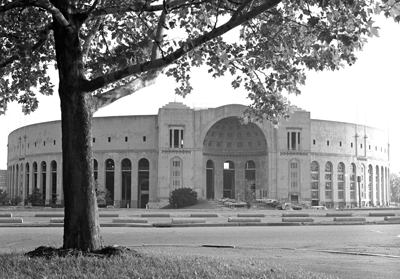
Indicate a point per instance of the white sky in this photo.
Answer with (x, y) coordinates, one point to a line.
(365, 93)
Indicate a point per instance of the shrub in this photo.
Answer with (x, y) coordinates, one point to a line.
(4, 197)
(16, 200)
(249, 194)
(36, 198)
(183, 197)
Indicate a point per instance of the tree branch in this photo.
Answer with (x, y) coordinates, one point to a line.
(187, 47)
(145, 80)
(88, 39)
(137, 7)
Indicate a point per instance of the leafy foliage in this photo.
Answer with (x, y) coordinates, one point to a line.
(36, 198)
(182, 197)
(248, 192)
(277, 41)
(4, 197)
(16, 200)
(395, 187)
(102, 194)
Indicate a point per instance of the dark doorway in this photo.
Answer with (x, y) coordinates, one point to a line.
(143, 183)
(210, 179)
(294, 199)
(229, 180)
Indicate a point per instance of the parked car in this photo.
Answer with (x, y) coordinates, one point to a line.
(284, 206)
(269, 201)
(296, 207)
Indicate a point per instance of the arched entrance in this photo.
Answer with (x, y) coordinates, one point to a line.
(143, 183)
(235, 154)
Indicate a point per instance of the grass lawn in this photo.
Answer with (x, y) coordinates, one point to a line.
(148, 265)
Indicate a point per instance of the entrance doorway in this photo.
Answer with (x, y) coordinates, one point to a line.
(294, 199)
(143, 183)
(229, 180)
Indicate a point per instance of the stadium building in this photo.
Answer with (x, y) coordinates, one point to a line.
(141, 159)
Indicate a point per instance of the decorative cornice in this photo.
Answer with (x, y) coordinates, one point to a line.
(294, 153)
(226, 154)
(176, 151)
(362, 159)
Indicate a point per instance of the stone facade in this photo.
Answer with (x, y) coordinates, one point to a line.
(141, 159)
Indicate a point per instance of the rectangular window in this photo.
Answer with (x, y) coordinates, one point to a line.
(341, 195)
(328, 185)
(314, 185)
(293, 140)
(340, 186)
(144, 138)
(170, 138)
(181, 138)
(351, 144)
(340, 177)
(176, 138)
(44, 143)
(94, 140)
(54, 142)
(288, 140)
(352, 186)
(314, 195)
(328, 176)
(109, 139)
(352, 195)
(328, 195)
(126, 139)
(327, 142)
(313, 142)
(340, 143)
(314, 176)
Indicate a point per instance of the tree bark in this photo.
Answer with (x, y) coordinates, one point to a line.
(81, 223)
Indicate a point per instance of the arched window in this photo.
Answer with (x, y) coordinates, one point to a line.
(377, 189)
(314, 183)
(353, 175)
(250, 175)
(176, 171)
(21, 180)
(35, 175)
(143, 183)
(54, 194)
(43, 185)
(340, 181)
(95, 169)
(210, 179)
(110, 167)
(126, 176)
(27, 179)
(370, 179)
(16, 180)
(382, 187)
(328, 181)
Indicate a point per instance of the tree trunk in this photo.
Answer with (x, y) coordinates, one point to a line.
(81, 222)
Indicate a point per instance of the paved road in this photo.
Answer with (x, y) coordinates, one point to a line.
(345, 251)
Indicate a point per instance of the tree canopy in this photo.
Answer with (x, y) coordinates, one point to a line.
(105, 50)
(277, 42)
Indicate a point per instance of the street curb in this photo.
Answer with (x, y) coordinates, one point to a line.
(5, 214)
(381, 214)
(11, 220)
